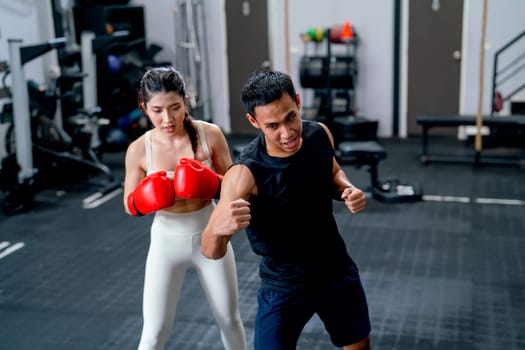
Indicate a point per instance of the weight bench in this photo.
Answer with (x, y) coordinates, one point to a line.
(370, 153)
(514, 123)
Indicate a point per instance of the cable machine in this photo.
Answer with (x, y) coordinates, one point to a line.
(190, 36)
(37, 130)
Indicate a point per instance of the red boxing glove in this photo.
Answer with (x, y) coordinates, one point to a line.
(153, 193)
(194, 180)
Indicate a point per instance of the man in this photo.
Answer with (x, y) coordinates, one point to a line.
(281, 190)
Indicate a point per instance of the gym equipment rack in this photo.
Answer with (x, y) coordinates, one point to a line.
(334, 78)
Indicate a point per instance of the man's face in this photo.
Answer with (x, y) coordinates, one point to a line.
(280, 122)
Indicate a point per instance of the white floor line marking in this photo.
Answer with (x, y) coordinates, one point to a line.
(12, 249)
(459, 199)
(97, 199)
(4, 244)
(446, 199)
(92, 198)
(500, 201)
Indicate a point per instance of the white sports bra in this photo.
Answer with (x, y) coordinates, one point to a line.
(204, 145)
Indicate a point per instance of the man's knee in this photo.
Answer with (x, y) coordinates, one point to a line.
(363, 344)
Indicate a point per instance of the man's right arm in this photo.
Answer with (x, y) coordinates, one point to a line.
(232, 212)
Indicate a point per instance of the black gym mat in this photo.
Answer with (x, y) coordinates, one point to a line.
(443, 273)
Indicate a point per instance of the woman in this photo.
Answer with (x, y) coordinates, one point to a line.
(178, 222)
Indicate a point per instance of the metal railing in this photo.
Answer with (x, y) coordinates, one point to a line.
(501, 75)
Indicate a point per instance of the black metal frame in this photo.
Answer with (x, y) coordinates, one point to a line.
(518, 64)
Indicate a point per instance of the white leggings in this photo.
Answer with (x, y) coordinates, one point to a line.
(175, 246)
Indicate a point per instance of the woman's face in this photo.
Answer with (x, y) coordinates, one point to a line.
(166, 111)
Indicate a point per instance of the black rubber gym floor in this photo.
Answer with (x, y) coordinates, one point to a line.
(447, 272)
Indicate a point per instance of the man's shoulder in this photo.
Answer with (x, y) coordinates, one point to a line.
(250, 149)
(312, 128)
(310, 123)
(241, 181)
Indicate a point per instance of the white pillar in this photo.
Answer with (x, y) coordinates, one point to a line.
(89, 69)
(21, 113)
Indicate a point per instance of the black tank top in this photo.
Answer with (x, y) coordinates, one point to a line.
(292, 225)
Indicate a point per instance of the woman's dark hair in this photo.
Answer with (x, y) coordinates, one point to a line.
(166, 79)
(265, 86)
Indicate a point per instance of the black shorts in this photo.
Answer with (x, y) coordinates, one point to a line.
(281, 316)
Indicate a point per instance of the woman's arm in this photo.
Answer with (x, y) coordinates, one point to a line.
(220, 151)
(134, 170)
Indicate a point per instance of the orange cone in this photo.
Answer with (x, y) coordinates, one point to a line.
(347, 33)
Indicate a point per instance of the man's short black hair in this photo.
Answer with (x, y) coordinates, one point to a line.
(265, 86)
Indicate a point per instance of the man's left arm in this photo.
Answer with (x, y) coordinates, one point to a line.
(353, 197)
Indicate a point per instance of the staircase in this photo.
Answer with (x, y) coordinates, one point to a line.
(508, 78)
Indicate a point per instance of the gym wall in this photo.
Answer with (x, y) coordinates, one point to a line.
(373, 19)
